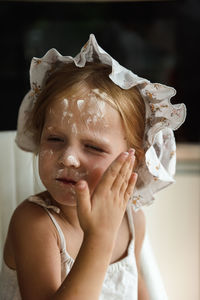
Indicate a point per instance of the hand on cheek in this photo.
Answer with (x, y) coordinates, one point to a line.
(101, 214)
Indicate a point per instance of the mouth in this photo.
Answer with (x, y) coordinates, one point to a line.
(66, 181)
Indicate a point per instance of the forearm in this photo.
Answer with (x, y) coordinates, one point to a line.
(86, 277)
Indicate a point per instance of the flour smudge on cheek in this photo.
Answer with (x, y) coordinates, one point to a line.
(46, 154)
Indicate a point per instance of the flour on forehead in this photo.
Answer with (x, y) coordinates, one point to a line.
(96, 106)
(105, 97)
(66, 112)
(80, 104)
(66, 102)
(101, 95)
(91, 109)
(51, 111)
(92, 105)
(74, 128)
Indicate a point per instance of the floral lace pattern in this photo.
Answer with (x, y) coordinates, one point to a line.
(162, 117)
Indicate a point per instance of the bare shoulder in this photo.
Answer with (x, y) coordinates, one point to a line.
(28, 208)
(28, 215)
(30, 218)
(29, 223)
(31, 248)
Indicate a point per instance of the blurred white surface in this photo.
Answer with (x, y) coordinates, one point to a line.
(173, 223)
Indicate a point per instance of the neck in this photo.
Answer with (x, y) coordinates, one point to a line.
(68, 214)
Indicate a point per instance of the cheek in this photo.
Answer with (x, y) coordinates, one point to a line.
(45, 161)
(96, 173)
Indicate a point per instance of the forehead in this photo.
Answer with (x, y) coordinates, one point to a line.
(90, 110)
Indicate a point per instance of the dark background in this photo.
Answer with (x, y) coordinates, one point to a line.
(156, 40)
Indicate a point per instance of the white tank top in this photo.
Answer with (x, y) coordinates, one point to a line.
(121, 279)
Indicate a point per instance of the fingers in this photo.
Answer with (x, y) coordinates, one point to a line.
(130, 187)
(122, 179)
(83, 197)
(126, 173)
(113, 170)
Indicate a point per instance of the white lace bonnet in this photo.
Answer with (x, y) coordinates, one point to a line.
(161, 116)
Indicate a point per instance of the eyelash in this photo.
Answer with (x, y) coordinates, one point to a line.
(94, 148)
(57, 139)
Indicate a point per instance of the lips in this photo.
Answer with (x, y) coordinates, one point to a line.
(66, 181)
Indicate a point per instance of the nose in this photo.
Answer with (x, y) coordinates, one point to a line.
(69, 158)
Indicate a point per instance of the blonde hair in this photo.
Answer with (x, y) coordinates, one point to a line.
(70, 79)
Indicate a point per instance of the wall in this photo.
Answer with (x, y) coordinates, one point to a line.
(173, 223)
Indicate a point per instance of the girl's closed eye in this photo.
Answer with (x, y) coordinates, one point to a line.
(55, 139)
(94, 148)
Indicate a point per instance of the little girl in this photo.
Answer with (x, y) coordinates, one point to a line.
(95, 127)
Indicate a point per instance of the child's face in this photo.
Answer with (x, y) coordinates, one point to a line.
(80, 138)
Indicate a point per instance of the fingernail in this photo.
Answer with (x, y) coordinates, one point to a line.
(125, 154)
(131, 150)
(81, 185)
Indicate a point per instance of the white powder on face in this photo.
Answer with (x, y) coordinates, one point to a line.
(101, 105)
(66, 111)
(59, 172)
(102, 95)
(89, 120)
(105, 97)
(49, 128)
(71, 172)
(80, 175)
(67, 114)
(66, 103)
(96, 106)
(70, 114)
(74, 128)
(72, 190)
(51, 111)
(92, 109)
(46, 153)
(92, 105)
(80, 104)
(72, 160)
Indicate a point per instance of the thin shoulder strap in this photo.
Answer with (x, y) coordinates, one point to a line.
(61, 235)
(130, 219)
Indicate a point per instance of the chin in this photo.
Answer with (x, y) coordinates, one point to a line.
(64, 198)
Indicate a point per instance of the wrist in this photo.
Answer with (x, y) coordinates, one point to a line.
(101, 241)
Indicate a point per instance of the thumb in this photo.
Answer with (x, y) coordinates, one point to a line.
(83, 197)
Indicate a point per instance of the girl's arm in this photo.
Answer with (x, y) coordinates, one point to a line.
(37, 258)
(36, 246)
(139, 223)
